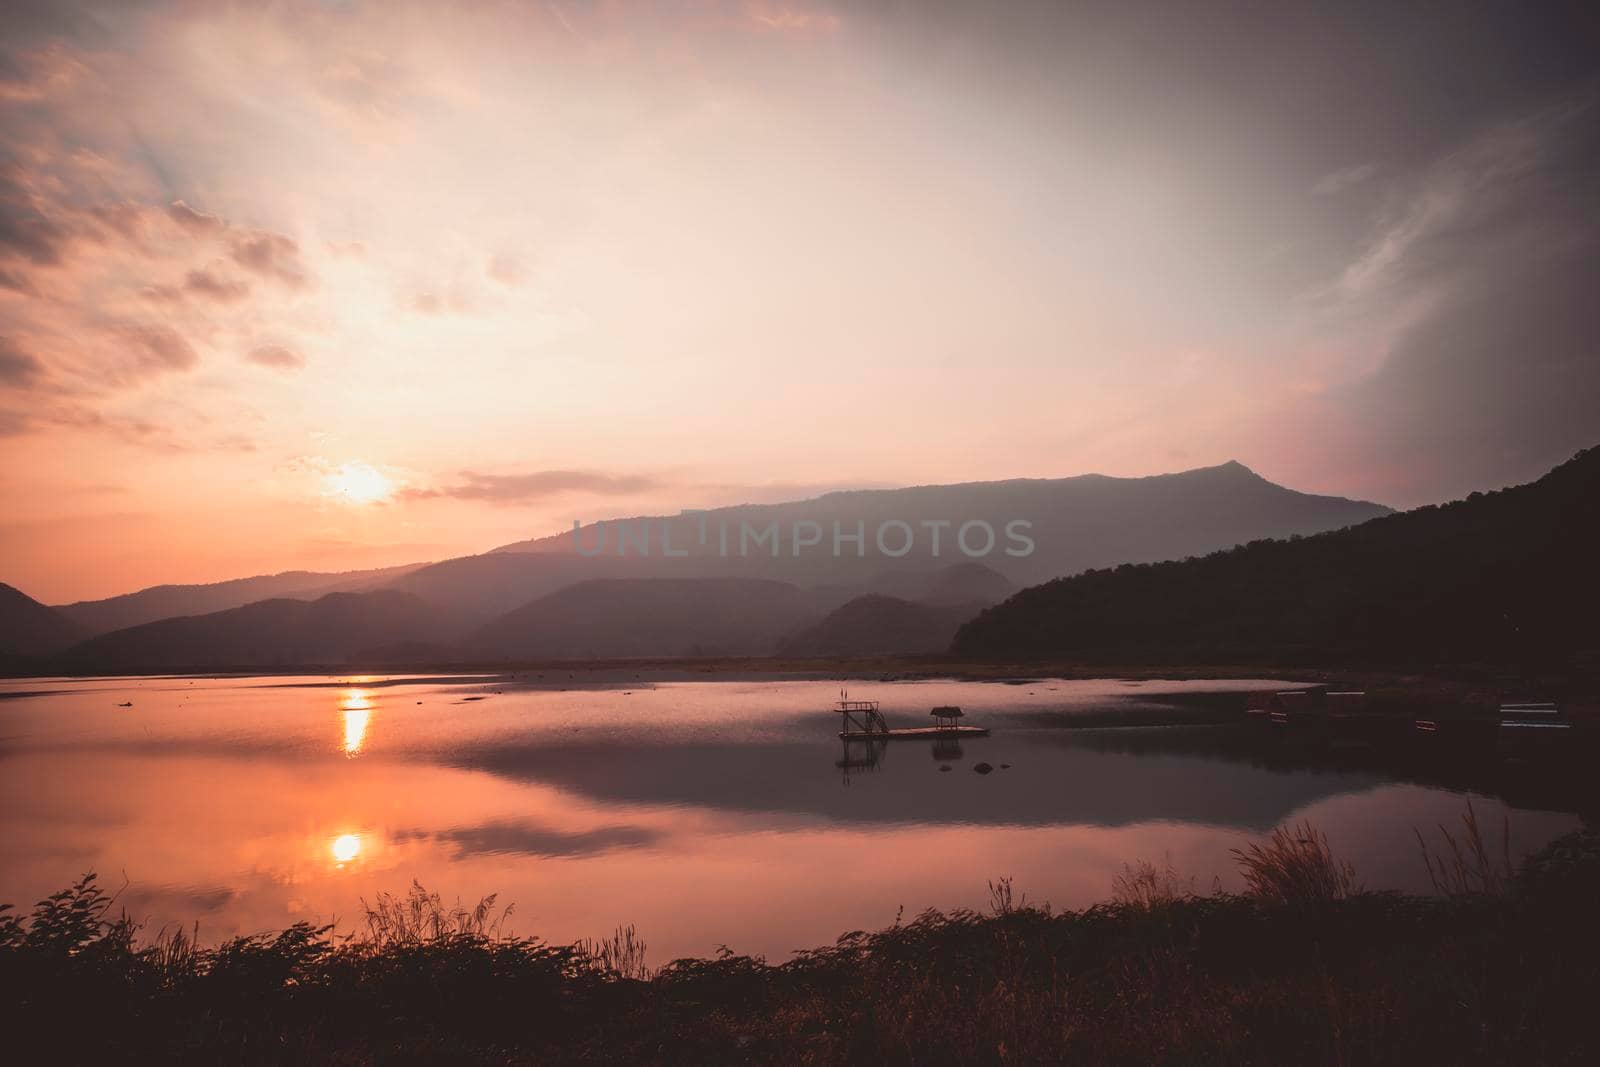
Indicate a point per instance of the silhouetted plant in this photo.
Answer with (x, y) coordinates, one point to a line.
(1295, 867)
(421, 916)
(622, 955)
(1361, 977)
(1464, 867)
(1142, 884)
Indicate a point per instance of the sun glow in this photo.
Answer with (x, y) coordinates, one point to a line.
(346, 847)
(355, 729)
(357, 708)
(357, 483)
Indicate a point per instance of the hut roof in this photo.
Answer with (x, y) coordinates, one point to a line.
(950, 712)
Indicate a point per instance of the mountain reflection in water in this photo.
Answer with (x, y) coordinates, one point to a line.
(706, 813)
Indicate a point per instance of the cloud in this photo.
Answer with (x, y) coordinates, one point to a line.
(18, 369)
(205, 284)
(271, 255)
(507, 270)
(531, 839)
(179, 900)
(153, 349)
(193, 220)
(537, 485)
(1488, 373)
(429, 303)
(13, 423)
(1340, 180)
(1469, 189)
(790, 18)
(26, 232)
(275, 356)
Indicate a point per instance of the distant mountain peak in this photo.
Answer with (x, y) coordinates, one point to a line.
(28, 627)
(1232, 469)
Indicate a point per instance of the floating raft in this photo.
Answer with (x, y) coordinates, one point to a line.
(914, 732)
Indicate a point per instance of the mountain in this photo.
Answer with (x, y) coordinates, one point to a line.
(876, 625)
(1508, 576)
(170, 601)
(272, 633)
(29, 628)
(966, 584)
(1076, 523)
(611, 618)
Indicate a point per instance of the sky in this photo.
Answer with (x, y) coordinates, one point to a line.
(332, 285)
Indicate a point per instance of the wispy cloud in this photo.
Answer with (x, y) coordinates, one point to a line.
(523, 837)
(535, 486)
(1340, 180)
(1467, 189)
(275, 356)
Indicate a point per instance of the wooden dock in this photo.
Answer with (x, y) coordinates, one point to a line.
(913, 732)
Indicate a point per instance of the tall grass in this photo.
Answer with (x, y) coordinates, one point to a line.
(1295, 867)
(622, 955)
(421, 917)
(1218, 978)
(1143, 884)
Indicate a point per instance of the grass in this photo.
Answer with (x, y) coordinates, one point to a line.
(1304, 967)
(1463, 866)
(1295, 868)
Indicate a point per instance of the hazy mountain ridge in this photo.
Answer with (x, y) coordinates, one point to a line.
(29, 628)
(272, 633)
(552, 602)
(613, 618)
(877, 625)
(173, 601)
(1504, 576)
(1078, 523)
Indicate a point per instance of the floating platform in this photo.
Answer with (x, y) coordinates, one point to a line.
(915, 732)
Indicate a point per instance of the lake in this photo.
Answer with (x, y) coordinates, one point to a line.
(706, 813)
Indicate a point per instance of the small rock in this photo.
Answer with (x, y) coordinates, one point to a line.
(982, 768)
(944, 766)
(1005, 766)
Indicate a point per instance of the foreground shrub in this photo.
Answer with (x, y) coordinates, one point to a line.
(1295, 866)
(1302, 969)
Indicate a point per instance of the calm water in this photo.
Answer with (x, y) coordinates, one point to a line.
(706, 813)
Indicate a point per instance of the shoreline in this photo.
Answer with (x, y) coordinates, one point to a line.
(1481, 685)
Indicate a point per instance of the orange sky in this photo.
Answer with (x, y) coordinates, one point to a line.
(338, 285)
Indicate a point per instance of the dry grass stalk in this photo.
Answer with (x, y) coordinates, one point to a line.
(1295, 866)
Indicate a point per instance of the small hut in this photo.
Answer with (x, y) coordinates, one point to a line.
(946, 718)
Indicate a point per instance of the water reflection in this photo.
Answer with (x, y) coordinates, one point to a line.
(345, 847)
(357, 707)
(704, 812)
(860, 754)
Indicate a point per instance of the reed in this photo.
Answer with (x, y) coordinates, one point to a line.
(1463, 866)
(1143, 884)
(1295, 867)
(1163, 976)
(622, 955)
(420, 917)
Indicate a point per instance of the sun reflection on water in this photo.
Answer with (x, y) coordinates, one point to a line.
(346, 847)
(357, 708)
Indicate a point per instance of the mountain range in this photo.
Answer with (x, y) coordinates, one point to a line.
(169, 601)
(29, 628)
(333, 629)
(544, 598)
(1508, 576)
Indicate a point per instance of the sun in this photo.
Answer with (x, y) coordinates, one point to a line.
(357, 483)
